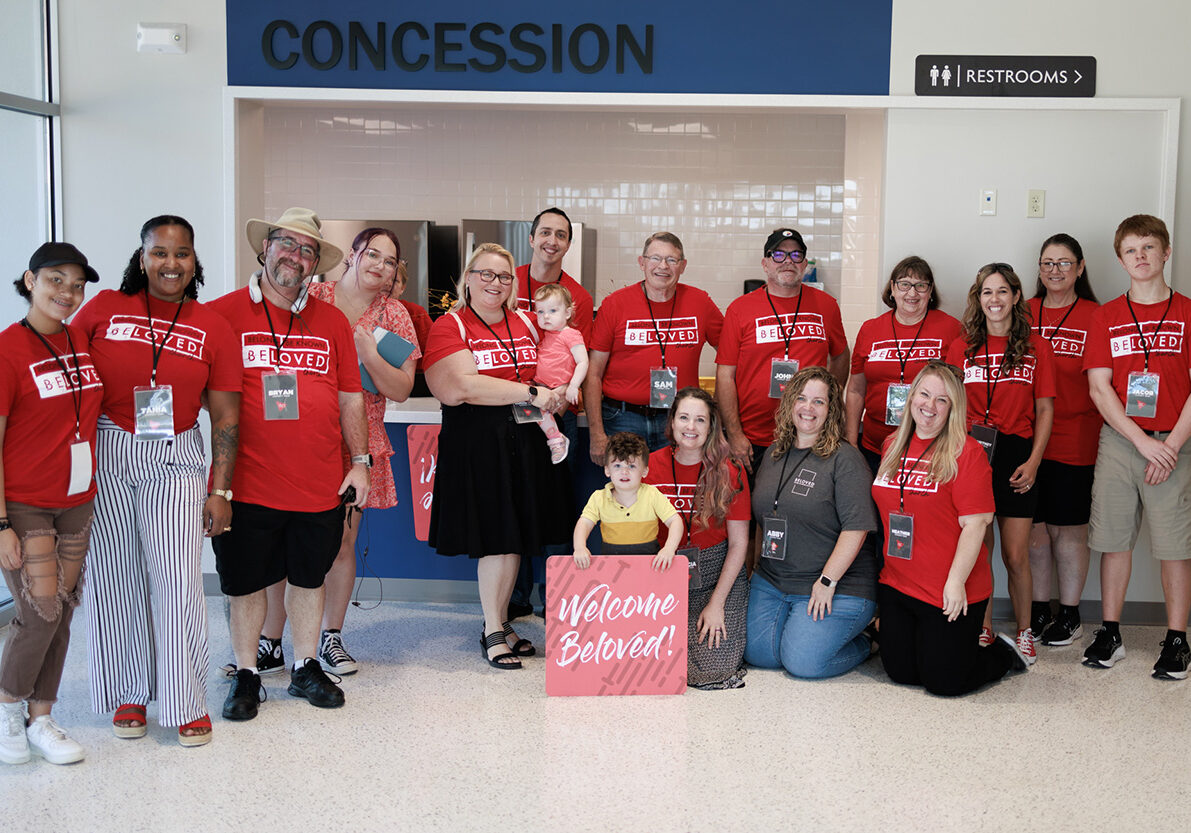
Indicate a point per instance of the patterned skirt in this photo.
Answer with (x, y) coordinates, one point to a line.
(722, 667)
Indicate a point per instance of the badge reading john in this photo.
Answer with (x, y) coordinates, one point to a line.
(781, 371)
(1141, 395)
(281, 395)
(663, 385)
(154, 408)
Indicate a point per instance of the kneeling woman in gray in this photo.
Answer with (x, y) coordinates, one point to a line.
(815, 586)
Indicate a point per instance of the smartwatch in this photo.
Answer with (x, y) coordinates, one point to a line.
(533, 392)
(226, 494)
(826, 582)
(366, 459)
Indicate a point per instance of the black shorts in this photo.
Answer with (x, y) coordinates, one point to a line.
(1011, 452)
(267, 545)
(1064, 494)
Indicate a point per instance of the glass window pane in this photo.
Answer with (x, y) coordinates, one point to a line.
(22, 48)
(25, 209)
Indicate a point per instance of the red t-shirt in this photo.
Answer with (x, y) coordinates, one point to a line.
(1116, 344)
(677, 482)
(493, 354)
(628, 332)
(291, 465)
(1076, 433)
(422, 323)
(200, 353)
(753, 337)
(527, 286)
(881, 346)
(936, 508)
(39, 403)
(1014, 393)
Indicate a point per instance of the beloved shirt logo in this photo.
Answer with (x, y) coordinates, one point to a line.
(806, 326)
(1125, 340)
(887, 350)
(682, 495)
(50, 381)
(1066, 341)
(804, 481)
(913, 475)
(1023, 373)
(183, 340)
(490, 354)
(676, 332)
(299, 353)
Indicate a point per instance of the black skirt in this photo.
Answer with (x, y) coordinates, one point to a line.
(495, 490)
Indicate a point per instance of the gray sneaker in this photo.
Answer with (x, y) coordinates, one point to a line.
(14, 745)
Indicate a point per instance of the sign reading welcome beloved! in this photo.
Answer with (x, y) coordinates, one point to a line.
(618, 627)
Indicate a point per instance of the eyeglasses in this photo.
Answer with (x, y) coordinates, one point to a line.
(488, 276)
(375, 257)
(657, 260)
(911, 286)
(778, 256)
(288, 244)
(1051, 265)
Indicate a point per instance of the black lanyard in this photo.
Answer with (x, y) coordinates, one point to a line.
(786, 336)
(902, 473)
(273, 332)
(157, 351)
(1055, 331)
(1145, 344)
(990, 385)
(656, 331)
(904, 358)
(690, 517)
(76, 391)
(783, 479)
(511, 347)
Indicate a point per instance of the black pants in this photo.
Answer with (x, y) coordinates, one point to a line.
(920, 647)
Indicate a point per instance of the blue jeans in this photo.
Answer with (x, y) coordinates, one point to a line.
(782, 635)
(651, 428)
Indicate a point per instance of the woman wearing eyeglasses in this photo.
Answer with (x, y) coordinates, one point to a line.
(890, 350)
(362, 295)
(1062, 309)
(1008, 375)
(496, 494)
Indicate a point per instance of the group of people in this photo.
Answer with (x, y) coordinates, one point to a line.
(829, 501)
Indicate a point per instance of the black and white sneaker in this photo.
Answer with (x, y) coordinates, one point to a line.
(269, 656)
(311, 682)
(1173, 662)
(1061, 632)
(333, 657)
(1040, 621)
(1105, 651)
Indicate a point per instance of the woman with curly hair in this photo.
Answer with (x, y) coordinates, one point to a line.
(709, 490)
(815, 587)
(1009, 380)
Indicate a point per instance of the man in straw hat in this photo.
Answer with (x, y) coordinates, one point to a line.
(301, 403)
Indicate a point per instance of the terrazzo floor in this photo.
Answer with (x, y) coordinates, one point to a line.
(432, 739)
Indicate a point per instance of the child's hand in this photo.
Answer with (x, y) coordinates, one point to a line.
(573, 394)
(582, 559)
(662, 560)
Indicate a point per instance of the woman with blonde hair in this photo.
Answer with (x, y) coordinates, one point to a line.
(814, 590)
(934, 494)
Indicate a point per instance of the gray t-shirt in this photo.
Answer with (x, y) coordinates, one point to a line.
(821, 499)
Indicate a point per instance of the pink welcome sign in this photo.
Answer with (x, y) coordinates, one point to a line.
(618, 627)
(423, 461)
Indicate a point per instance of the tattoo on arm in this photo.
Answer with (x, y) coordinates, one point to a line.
(225, 439)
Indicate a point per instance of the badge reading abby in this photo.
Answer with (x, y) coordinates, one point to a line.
(895, 403)
(773, 540)
(1141, 395)
(901, 536)
(781, 371)
(986, 435)
(663, 385)
(281, 395)
(692, 560)
(524, 412)
(154, 409)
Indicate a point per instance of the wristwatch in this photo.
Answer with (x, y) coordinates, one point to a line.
(533, 392)
(226, 494)
(4, 524)
(826, 582)
(366, 459)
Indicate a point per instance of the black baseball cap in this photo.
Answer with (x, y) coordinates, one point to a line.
(779, 236)
(55, 254)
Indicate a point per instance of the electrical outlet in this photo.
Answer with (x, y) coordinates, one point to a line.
(1035, 203)
(988, 202)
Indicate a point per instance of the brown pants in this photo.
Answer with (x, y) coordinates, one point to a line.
(45, 592)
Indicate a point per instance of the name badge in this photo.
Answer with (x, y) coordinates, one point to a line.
(901, 536)
(663, 385)
(80, 468)
(986, 435)
(895, 403)
(694, 577)
(781, 371)
(281, 395)
(524, 412)
(1141, 395)
(773, 540)
(154, 412)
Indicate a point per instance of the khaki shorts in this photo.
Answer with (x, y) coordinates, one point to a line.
(1120, 493)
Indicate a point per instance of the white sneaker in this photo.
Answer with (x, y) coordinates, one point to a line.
(47, 739)
(14, 746)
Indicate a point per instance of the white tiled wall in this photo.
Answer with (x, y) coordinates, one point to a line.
(719, 181)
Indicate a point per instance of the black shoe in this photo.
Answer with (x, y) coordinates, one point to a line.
(1008, 645)
(246, 692)
(1173, 662)
(1062, 631)
(269, 657)
(1041, 620)
(311, 682)
(1106, 651)
(519, 609)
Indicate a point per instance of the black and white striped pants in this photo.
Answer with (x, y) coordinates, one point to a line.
(146, 615)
